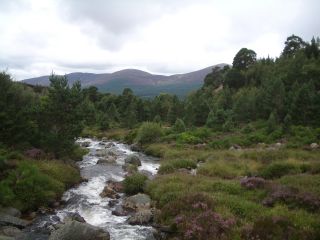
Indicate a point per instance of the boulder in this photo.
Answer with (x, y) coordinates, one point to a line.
(142, 216)
(85, 144)
(74, 217)
(135, 147)
(11, 211)
(116, 186)
(130, 168)
(107, 160)
(109, 145)
(253, 182)
(119, 211)
(113, 202)
(133, 159)
(138, 201)
(235, 147)
(7, 220)
(314, 145)
(79, 231)
(104, 139)
(109, 192)
(146, 173)
(104, 153)
(200, 146)
(6, 238)
(278, 145)
(9, 231)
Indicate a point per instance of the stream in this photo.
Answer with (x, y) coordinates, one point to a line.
(85, 199)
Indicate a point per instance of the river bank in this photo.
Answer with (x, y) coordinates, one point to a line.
(85, 202)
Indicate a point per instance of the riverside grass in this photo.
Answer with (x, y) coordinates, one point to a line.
(218, 176)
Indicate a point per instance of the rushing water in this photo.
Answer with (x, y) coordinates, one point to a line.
(85, 199)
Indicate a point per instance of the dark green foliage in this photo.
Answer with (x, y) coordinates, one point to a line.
(276, 170)
(272, 122)
(61, 116)
(275, 228)
(179, 126)
(134, 184)
(292, 45)
(188, 138)
(244, 58)
(29, 188)
(172, 165)
(149, 132)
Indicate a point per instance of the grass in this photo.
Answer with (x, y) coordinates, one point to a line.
(59, 171)
(118, 134)
(303, 182)
(219, 172)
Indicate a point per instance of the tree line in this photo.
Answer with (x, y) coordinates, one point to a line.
(282, 91)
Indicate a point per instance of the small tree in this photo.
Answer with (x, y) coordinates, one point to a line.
(149, 132)
(244, 58)
(179, 126)
(272, 122)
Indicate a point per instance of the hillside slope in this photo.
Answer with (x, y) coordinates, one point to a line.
(143, 84)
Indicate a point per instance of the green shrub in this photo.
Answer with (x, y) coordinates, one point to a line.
(131, 136)
(149, 132)
(32, 188)
(179, 126)
(59, 171)
(219, 169)
(276, 170)
(3, 163)
(301, 136)
(134, 184)
(220, 144)
(170, 166)
(6, 194)
(188, 138)
(247, 129)
(303, 182)
(202, 133)
(156, 149)
(77, 153)
(274, 227)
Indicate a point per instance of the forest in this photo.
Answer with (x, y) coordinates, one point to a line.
(252, 133)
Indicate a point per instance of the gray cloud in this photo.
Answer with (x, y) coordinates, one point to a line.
(163, 36)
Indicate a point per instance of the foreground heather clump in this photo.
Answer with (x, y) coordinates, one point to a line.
(203, 223)
(273, 228)
(194, 217)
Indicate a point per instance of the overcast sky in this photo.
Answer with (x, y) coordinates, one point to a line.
(159, 36)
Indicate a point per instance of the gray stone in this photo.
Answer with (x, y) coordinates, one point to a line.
(314, 145)
(137, 201)
(146, 173)
(85, 144)
(6, 238)
(79, 231)
(9, 231)
(104, 153)
(11, 211)
(74, 217)
(107, 160)
(135, 147)
(109, 144)
(119, 211)
(7, 220)
(130, 168)
(133, 159)
(142, 216)
(109, 192)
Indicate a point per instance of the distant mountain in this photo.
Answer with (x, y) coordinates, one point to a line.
(142, 83)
